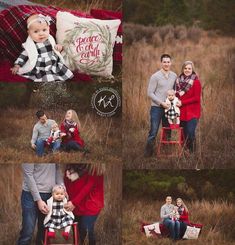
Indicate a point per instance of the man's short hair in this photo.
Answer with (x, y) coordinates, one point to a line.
(165, 56)
(40, 113)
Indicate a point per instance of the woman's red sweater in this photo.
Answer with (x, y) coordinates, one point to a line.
(86, 194)
(184, 217)
(191, 103)
(75, 136)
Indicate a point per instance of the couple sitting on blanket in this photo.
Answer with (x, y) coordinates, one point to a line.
(47, 134)
(175, 217)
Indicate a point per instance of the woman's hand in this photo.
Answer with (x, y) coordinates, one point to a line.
(62, 134)
(179, 103)
(72, 130)
(69, 206)
(15, 69)
(33, 146)
(58, 47)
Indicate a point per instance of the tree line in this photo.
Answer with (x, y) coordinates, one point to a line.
(188, 184)
(208, 14)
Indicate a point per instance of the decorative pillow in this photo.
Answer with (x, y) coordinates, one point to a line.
(111, 15)
(191, 232)
(88, 43)
(152, 230)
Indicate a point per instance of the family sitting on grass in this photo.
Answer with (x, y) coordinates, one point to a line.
(175, 101)
(174, 223)
(48, 135)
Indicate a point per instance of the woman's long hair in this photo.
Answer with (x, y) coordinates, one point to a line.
(183, 204)
(188, 62)
(75, 118)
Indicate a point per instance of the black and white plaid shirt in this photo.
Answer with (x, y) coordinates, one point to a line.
(48, 67)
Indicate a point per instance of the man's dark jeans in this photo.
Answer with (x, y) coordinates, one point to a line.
(30, 215)
(157, 115)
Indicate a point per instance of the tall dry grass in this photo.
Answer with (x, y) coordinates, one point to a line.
(214, 59)
(107, 226)
(218, 226)
(101, 136)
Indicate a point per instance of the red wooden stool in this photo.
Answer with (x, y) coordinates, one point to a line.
(75, 236)
(176, 138)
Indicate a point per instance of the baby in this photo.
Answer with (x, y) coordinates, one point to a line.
(58, 217)
(41, 60)
(55, 135)
(172, 113)
(175, 214)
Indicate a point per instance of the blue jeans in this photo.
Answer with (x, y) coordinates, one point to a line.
(72, 145)
(40, 146)
(174, 228)
(86, 224)
(157, 115)
(30, 215)
(189, 128)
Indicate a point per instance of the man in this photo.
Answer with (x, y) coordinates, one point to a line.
(159, 83)
(38, 181)
(169, 221)
(41, 132)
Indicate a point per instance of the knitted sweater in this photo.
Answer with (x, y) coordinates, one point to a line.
(191, 103)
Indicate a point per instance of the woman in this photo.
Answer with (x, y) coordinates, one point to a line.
(86, 195)
(184, 216)
(188, 88)
(171, 222)
(71, 139)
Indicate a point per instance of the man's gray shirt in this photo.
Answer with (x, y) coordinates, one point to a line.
(166, 210)
(41, 131)
(158, 86)
(40, 178)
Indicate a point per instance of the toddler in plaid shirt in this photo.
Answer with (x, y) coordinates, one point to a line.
(58, 217)
(41, 60)
(172, 113)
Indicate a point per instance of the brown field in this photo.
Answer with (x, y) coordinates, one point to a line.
(10, 217)
(218, 227)
(214, 58)
(100, 135)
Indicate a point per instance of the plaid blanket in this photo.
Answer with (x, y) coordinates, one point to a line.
(13, 33)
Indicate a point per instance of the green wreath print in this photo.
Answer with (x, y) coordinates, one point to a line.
(71, 57)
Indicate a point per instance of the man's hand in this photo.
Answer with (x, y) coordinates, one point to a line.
(164, 105)
(69, 206)
(15, 69)
(42, 206)
(33, 146)
(58, 47)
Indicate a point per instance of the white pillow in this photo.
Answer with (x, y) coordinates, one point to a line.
(191, 232)
(153, 229)
(88, 43)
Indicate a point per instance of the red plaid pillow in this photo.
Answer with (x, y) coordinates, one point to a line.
(110, 15)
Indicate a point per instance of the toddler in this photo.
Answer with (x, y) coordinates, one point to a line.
(58, 217)
(55, 135)
(175, 214)
(41, 60)
(172, 113)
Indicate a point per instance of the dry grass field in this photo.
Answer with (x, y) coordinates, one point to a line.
(214, 58)
(108, 223)
(218, 227)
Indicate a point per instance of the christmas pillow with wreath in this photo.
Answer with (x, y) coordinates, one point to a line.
(87, 43)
